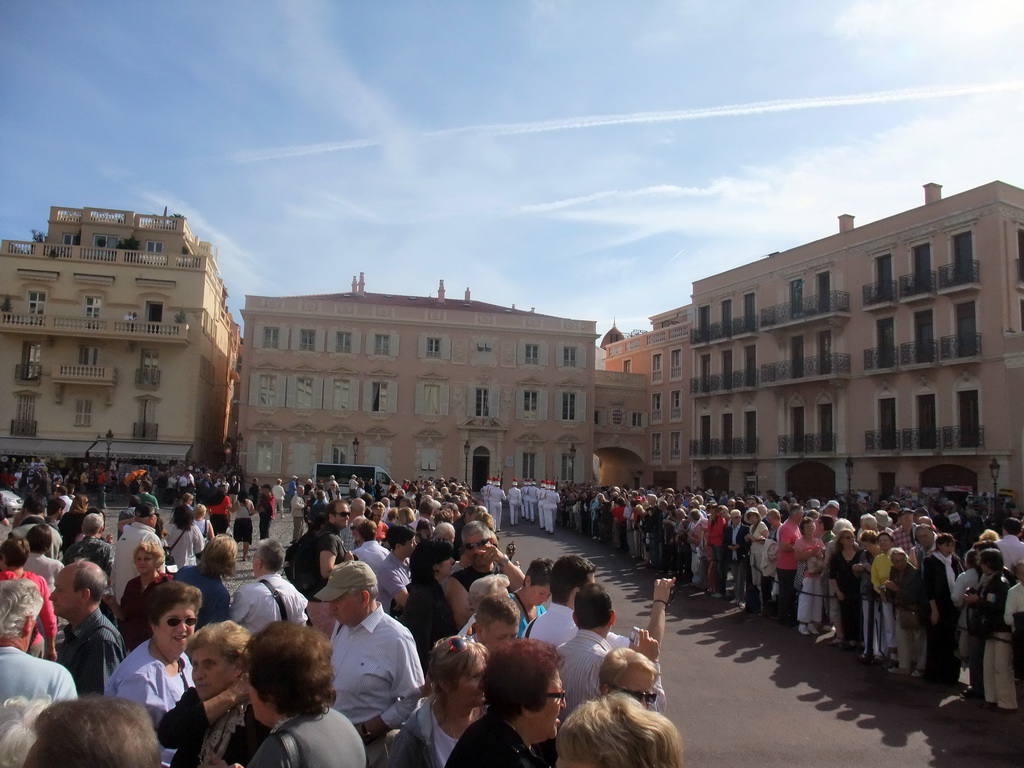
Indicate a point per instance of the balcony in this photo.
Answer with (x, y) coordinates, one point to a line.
(657, 376)
(810, 308)
(147, 377)
(809, 442)
(960, 346)
(742, 326)
(723, 382)
(805, 368)
(23, 428)
(925, 352)
(954, 438)
(920, 439)
(917, 286)
(656, 416)
(676, 372)
(144, 430)
(959, 277)
(675, 414)
(944, 438)
(738, 326)
(880, 358)
(880, 295)
(85, 374)
(28, 372)
(882, 440)
(733, 446)
(93, 328)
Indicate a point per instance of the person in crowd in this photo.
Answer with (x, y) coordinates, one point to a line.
(130, 610)
(328, 551)
(446, 531)
(185, 542)
(368, 549)
(14, 554)
(736, 549)
(757, 539)
(786, 565)
(271, 597)
(39, 538)
(377, 671)
(202, 523)
(880, 568)
(22, 674)
(213, 720)
(990, 609)
(810, 557)
(939, 572)
(628, 671)
(393, 573)
(616, 732)
(907, 590)
(92, 546)
(92, 646)
(297, 506)
(427, 615)
(495, 620)
(70, 525)
(494, 585)
(536, 591)
(871, 618)
(157, 673)
(94, 731)
(714, 542)
(1014, 618)
(291, 692)
(524, 695)
(846, 586)
(142, 527)
(481, 557)
(556, 626)
(265, 509)
(17, 721)
(970, 647)
(218, 563)
(1010, 545)
(243, 512)
(428, 737)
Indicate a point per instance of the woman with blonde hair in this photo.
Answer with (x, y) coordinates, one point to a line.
(131, 611)
(219, 557)
(631, 673)
(617, 732)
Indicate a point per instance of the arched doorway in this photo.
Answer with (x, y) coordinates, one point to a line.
(811, 479)
(618, 466)
(716, 478)
(946, 475)
(481, 467)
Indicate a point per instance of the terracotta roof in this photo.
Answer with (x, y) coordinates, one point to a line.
(451, 303)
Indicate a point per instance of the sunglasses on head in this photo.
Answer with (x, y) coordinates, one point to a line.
(457, 644)
(174, 621)
(643, 697)
(475, 545)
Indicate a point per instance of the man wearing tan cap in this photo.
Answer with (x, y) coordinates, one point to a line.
(377, 673)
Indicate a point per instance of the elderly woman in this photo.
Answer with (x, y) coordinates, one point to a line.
(489, 586)
(989, 606)
(616, 732)
(157, 673)
(432, 730)
(524, 694)
(291, 690)
(427, 614)
(131, 613)
(13, 555)
(810, 559)
(213, 719)
(633, 674)
(218, 562)
(845, 583)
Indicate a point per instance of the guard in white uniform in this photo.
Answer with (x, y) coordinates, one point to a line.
(515, 502)
(494, 502)
(548, 505)
(530, 500)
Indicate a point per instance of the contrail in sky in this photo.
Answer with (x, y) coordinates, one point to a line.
(641, 118)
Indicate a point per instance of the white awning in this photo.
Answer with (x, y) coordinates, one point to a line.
(41, 447)
(142, 449)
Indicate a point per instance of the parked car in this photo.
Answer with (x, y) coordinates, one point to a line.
(12, 502)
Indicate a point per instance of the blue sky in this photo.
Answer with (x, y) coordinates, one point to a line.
(587, 158)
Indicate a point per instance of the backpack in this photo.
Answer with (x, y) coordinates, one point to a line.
(300, 563)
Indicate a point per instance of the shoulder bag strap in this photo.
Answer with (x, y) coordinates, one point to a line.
(291, 750)
(277, 598)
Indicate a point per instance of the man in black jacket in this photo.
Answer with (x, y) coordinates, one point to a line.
(737, 555)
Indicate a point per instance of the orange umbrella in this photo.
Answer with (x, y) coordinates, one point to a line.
(135, 475)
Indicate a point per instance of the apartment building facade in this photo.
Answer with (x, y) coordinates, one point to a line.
(643, 425)
(881, 358)
(116, 339)
(424, 386)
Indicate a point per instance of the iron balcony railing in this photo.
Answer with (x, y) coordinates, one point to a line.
(718, 382)
(809, 442)
(23, 428)
(917, 283)
(917, 352)
(810, 306)
(880, 293)
(946, 438)
(825, 365)
(882, 440)
(951, 275)
(147, 377)
(960, 345)
(741, 325)
(28, 372)
(734, 446)
(145, 430)
(880, 358)
(963, 437)
(920, 439)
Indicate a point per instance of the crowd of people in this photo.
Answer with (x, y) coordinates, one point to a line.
(393, 630)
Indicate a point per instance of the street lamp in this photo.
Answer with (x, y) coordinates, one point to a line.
(572, 462)
(465, 450)
(993, 467)
(109, 438)
(355, 450)
(849, 487)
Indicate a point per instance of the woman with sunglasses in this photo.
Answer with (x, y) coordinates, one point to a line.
(157, 673)
(524, 694)
(429, 735)
(631, 673)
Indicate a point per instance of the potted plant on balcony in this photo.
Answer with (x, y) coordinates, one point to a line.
(129, 244)
(5, 305)
(180, 317)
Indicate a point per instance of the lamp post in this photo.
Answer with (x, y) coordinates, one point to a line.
(572, 462)
(109, 438)
(465, 451)
(849, 487)
(993, 467)
(355, 450)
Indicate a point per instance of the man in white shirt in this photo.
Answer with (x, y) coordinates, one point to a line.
(256, 605)
(368, 549)
(141, 528)
(23, 674)
(515, 502)
(1010, 545)
(377, 673)
(277, 491)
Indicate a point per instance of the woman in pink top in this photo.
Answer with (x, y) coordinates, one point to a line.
(13, 556)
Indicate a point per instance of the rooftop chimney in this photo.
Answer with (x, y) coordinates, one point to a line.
(362, 284)
(932, 193)
(467, 294)
(845, 222)
(355, 286)
(440, 292)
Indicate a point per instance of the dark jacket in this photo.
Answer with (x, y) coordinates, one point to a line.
(428, 617)
(492, 742)
(184, 727)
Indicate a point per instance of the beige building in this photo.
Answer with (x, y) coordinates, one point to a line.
(424, 386)
(890, 351)
(115, 322)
